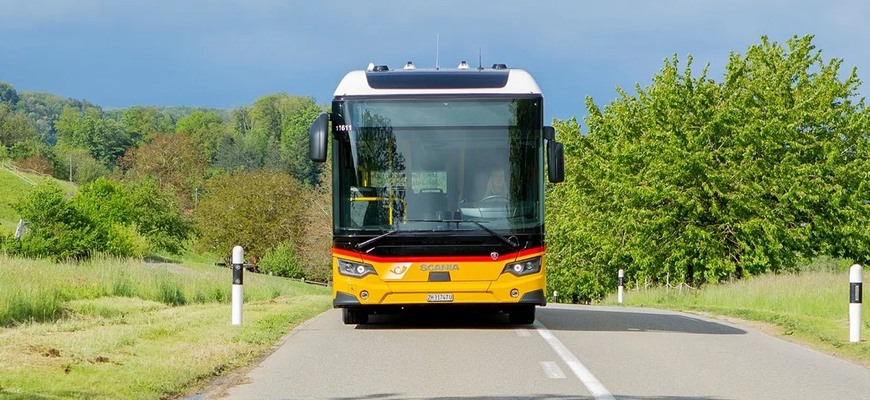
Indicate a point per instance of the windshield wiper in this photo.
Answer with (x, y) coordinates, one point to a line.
(360, 246)
(492, 232)
(482, 226)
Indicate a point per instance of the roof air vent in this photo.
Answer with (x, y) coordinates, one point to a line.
(410, 65)
(381, 68)
(463, 65)
(499, 66)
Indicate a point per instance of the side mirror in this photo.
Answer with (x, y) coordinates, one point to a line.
(317, 138)
(555, 161)
(555, 156)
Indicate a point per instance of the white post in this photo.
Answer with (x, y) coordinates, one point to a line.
(856, 280)
(238, 267)
(621, 289)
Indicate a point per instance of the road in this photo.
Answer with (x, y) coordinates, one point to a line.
(572, 352)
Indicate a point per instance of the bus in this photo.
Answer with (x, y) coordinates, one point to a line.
(438, 189)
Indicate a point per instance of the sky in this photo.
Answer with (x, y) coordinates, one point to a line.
(227, 53)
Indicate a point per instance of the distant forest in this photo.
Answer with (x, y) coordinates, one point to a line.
(189, 154)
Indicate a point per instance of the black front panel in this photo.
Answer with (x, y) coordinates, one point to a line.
(471, 79)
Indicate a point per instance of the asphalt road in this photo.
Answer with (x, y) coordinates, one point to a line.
(572, 352)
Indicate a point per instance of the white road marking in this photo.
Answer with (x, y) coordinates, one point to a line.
(598, 391)
(523, 332)
(552, 370)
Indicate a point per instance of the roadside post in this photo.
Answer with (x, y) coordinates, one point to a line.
(856, 280)
(238, 268)
(621, 289)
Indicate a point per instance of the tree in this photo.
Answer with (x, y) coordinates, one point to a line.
(697, 181)
(175, 161)
(15, 127)
(315, 244)
(256, 210)
(8, 94)
(207, 127)
(77, 165)
(283, 120)
(104, 138)
(158, 216)
(143, 122)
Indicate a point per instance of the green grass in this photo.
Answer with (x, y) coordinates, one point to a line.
(811, 307)
(14, 189)
(123, 329)
(37, 291)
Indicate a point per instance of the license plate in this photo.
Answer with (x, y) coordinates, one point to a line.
(441, 297)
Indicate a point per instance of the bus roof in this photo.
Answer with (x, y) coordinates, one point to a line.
(383, 82)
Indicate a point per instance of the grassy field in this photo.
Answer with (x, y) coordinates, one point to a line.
(123, 329)
(811, 307)
(15, 186)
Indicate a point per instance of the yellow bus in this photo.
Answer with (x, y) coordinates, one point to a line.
(438, 189)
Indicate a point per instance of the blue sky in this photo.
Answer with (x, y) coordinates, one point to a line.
(227, 53)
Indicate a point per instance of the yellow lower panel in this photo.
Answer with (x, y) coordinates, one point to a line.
(380, 293)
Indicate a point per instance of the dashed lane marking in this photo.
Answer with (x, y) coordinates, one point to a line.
(552, 370)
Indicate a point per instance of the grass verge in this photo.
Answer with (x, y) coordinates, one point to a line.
(121, 329)
(811, 307)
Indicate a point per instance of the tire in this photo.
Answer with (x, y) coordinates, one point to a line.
(522, 315)
(354, 316)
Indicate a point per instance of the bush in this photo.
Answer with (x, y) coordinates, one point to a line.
(282, 261)
(57, 229)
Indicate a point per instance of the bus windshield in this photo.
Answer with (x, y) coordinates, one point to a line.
(428, 164)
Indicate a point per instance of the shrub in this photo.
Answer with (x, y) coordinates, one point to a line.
(282, 260)
(57, 229)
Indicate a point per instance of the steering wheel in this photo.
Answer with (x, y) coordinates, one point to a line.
(492, 198)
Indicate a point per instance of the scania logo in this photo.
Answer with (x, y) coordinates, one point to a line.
(439, 267)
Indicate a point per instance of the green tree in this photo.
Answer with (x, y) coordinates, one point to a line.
(15, 128)
(207, 127)
(8, 94)
(143, 122)
(283, 120)
(104, 138)
(256, 210)
(696, 181)
(158, 216)
(77, 165)
(175, 161)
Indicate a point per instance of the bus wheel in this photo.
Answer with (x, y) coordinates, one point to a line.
(354, 316)
(522, 315)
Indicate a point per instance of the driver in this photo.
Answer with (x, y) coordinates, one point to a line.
(497, 185)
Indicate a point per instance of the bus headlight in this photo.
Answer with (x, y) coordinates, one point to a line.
(354, 269)
(524, 267)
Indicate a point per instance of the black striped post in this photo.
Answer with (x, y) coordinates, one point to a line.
(856, 280)
(238, 269)
(620, 290)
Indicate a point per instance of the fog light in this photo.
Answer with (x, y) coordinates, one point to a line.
(515, 293)
(364, 295)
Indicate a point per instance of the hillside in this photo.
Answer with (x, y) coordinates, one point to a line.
(16, 184)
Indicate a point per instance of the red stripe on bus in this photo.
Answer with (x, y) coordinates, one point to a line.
(501, 257)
